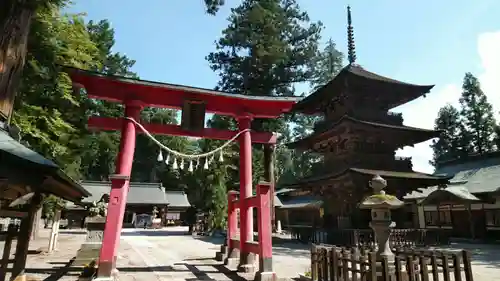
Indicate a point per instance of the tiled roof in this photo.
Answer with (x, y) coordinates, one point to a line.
(382, 173)
(277, 202)
(139, 193)
(177, 199)
(401, 91)
(10, 145)
(284, 190)
(419, 134)
(302, 202)
(477, 176)
(14, 148)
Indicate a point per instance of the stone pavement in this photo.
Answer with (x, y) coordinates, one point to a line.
(54, 266)
(169, 254)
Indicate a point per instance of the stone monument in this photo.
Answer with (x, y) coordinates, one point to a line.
(381, 205)
(95, 222)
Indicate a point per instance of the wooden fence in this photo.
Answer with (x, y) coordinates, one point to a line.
(417, 237)
(341, 264)
(7, 237)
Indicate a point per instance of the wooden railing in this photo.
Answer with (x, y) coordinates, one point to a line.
(364, 237)
(342, 264)
(8, 238)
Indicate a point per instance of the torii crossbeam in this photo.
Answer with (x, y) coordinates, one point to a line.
(136, 94)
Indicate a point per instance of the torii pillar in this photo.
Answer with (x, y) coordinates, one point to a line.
(118, 196)
(247, 258)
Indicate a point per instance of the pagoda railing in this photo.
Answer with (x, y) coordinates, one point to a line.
(403, 163)
(364, 238)
(389, 118)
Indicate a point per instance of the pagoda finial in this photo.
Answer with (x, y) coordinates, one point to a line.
(351, 55)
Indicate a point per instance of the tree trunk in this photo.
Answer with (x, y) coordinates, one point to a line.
(15, 19)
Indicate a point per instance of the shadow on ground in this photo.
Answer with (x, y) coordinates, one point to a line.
(73, 232)
(281, 246)
(190, 266)
(481, 254)
(155, 233)
(56, 272)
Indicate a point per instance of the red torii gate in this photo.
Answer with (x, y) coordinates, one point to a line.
(136, 94)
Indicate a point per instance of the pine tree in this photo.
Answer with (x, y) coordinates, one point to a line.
(450, 144)
(326, 65)
(266, 49)
(477, 115)
(497, 137)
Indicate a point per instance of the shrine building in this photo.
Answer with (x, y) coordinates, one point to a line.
(142, 199)
(21, 197)
(469, 206)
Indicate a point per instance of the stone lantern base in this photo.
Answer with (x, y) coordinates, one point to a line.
(89, 251)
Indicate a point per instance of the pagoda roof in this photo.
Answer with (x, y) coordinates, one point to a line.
(370, 172)
(418, 134)
(165, 95)
(394, 92)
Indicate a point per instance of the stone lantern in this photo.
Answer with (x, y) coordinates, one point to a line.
(381, 205)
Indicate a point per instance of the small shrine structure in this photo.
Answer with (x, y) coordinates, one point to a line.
(21, 197)
(357, 137)
(194, 102)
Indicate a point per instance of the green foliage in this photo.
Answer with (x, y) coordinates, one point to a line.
(472, 129)
(452, 143)
(266, 49)
(326, 65)
(45, 89)
(49, 206)
(97, 149)
(477, 114)
(213, 6)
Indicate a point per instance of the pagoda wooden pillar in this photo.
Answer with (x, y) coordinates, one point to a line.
(246, 214)
(118, 195)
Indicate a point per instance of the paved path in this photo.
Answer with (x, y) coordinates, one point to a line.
(169, 254)
(172, 255)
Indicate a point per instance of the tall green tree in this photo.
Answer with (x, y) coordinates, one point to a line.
(98, 149)
(47, 111)
(477, 115)
(453, 142)
(325, 65)
(265, 50)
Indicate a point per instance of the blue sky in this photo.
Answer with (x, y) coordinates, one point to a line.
(425, 42)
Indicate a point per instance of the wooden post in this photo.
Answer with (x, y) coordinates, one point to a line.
(4, 263)
(54, 232)
(269, 161)
(36, 224)
(23, 239)
(471, 221)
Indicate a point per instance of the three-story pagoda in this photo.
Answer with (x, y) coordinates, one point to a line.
(358, 137)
